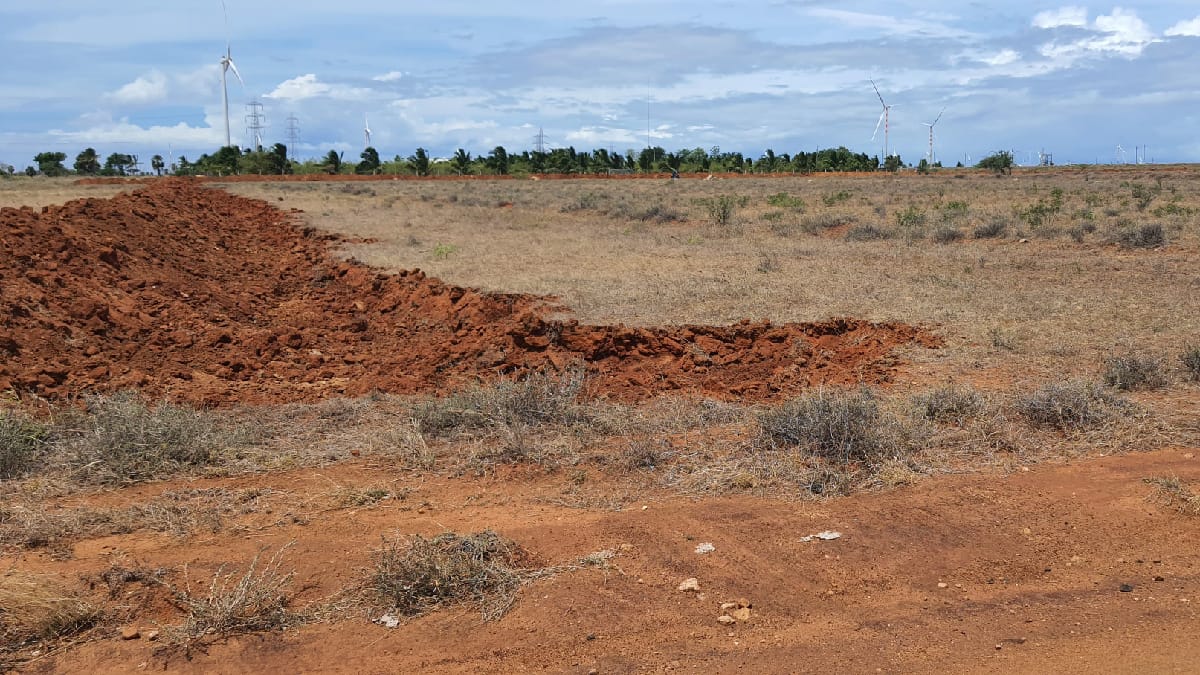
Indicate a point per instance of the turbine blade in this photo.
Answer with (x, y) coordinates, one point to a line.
(877, 93)
(935, 121)
(225, 13)
(878, 124)
(233, 67)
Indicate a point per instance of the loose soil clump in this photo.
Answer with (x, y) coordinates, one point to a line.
(197, 295)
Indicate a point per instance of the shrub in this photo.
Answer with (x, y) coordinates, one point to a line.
(723, 209)
(421, 574)
(946, 235)
(1128, 372)
(1151, 235)
(785, 201)
(124, 439)
(659, 213)
(838, 426)
(1190, 358)
(541, 398)
(869, 233)
(1171, 491)
(20, 440)
(1077, 404)
(816, 223)
(950, 404)
(912, 216)
(993, 229)
(836, 197)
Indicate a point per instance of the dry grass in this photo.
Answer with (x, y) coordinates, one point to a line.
(254, 601)
(38, 609)
(413, 577)
(1173, 492)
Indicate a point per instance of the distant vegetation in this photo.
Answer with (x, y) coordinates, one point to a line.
(498, 162)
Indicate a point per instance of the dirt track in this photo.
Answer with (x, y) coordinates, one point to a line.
(1032, 563)
(199, 295)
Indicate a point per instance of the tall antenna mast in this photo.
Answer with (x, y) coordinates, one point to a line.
(647, 116)
(293, 135)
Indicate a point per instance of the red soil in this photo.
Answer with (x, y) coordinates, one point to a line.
(199, 295)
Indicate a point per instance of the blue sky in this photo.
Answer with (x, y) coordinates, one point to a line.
(142, 76)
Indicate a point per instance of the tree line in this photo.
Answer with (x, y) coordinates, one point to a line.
(499, 161)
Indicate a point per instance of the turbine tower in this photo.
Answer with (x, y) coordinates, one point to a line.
(366, 132)
(931, 125)
(884, 119)
(226, 65)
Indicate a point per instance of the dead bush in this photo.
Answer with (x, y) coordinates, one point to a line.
(1131, 371)
(952, 404)
(1068, 406)
(1151, 235)
(21, 439)
(414, 577)
(123, 439)
(541, 398)
(840, 426)
(1190, 358)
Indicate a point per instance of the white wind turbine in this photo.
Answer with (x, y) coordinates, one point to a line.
(931, 125)
(883, 120)
(226, 65)
(366, 132)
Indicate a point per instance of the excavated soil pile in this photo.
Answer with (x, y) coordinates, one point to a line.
(199, 295)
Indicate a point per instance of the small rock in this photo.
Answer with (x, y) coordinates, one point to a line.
(706, 547)
(1189, 456)
(152, 635)
(1160, 578)
(1026, 531)
(625, 547)
(741, 614)
(942, 584)
(744, 602)
(1126, 588)
(692, 585)
(388, 621)
(130, 633)
(728, 606)
(594, 671)
(727, 620)
(1022, 241)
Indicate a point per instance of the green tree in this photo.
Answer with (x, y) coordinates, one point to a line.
(370, 163)
(87, 162)
(497, 160)
(333, 162)
(51, 163)
(419, 161)
(224, 162)
(157, 163)
(893, 163)
(117, 164)
(461, 163)
(999, 162)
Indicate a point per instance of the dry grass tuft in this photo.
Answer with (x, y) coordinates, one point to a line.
(414, 577)
(1173, 492)
(256, 601)
(21, 440)
(36, 608)
(1190, 359)
(952, 404)
(840, 426)
(540, 399)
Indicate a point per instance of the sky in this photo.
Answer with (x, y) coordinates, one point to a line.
(1087, 83)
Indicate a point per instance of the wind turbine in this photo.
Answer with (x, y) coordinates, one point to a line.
(226, 65)
(931, 125)
(883, 120)
(366, 132)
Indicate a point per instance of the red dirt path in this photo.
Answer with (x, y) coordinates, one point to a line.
(199, 295)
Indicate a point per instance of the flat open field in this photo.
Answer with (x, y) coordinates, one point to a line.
(242, 433)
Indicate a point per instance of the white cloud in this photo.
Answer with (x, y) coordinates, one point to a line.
(308, 86)
(1063, 16)
(893, 25)
(393, 76)
(147, 89)
(1123, 32)
(1003, 58)
(123, 132)
(1189, 28)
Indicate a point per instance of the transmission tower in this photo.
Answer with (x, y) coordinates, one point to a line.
(256, 121)
(539, 141)
(293, 135)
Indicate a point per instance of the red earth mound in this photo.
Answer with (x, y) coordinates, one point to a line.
(198, 295)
